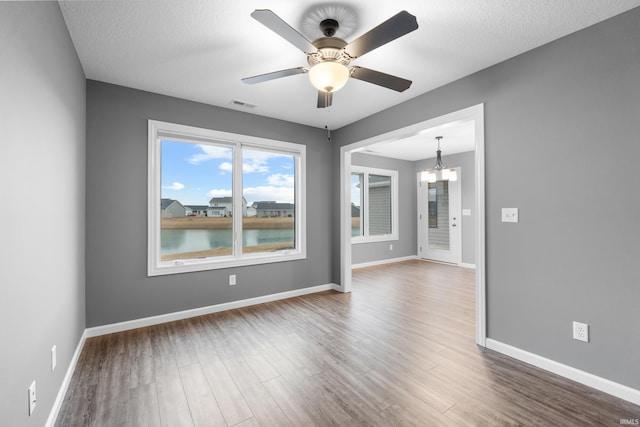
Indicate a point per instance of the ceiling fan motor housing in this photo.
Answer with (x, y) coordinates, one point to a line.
(329, 49)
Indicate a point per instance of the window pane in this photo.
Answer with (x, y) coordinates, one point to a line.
(196, 207)
(269, 205)
(356, 204)
(439, 215)
(379, 205)
(433, 207)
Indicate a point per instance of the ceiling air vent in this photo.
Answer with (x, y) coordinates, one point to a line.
(238, 103)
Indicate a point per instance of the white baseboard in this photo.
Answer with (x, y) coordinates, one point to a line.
(384, 261)
(57, 404)
(337, 288)
(615, 389)
(467, 265)
(185, 314)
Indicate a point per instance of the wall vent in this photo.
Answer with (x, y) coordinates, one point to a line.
(238, 103)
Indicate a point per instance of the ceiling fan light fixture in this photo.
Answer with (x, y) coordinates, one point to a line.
(328, 76)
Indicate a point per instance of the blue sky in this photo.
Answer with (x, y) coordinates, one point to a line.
(194, 173)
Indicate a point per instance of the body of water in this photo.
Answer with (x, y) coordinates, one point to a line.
(179, 241)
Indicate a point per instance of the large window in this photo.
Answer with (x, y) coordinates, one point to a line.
(220, 200)
(374, 204)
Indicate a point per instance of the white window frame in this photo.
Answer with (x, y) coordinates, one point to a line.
(158, 130)
(365, 237)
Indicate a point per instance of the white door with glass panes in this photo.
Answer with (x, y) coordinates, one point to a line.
(439, 221)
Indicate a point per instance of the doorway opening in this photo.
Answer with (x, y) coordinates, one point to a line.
(474, 114)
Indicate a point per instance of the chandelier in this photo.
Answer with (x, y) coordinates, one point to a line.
(439, 172)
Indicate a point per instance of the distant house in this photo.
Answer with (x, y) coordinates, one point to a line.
(172, 208)
(274, 209)
(196, 210)
(223, 207)
(251, 211)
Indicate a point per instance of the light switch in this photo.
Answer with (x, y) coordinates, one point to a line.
(509, 214)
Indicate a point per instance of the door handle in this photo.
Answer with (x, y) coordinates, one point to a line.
(453, 225)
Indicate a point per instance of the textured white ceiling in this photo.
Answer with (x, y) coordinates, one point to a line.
(200, 49)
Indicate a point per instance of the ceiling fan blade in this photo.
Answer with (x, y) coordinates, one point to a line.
(324, 99)
(272, 21)
(394, 27)
(274, 75)
(380, 79)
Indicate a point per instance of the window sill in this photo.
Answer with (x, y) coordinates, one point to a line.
(373, 239)
(205, 264)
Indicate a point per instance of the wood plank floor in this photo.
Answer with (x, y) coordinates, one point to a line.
(398, 350)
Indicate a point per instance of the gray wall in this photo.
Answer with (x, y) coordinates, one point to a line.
(562, 144)
(466, 161)
(118, 288)
(406, 244)
(42, 116)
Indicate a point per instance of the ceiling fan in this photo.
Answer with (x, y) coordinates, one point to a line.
(329, 56)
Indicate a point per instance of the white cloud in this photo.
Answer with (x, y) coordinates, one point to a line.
(255, 161)
(219, 193)
(281, 180)
(269, 192)
(210, 152)
(255, 166)
(174, 186)
(263, 156)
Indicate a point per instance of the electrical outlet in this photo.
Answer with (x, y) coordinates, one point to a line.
(580, 331)
(232, 280)
(54, 358)
(390, 246)
(32, 397)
